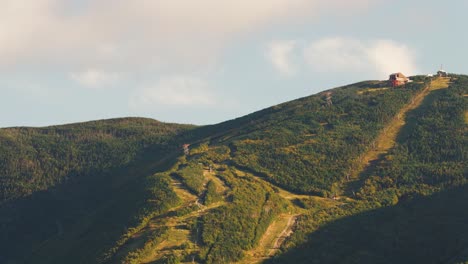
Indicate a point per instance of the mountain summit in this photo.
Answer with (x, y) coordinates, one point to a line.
(364, 173)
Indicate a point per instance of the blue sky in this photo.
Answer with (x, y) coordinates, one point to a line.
(207, 61)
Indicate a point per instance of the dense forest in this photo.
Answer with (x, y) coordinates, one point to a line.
(267, 187)
(34, 159)
(400, 216)
(75, 177)
(305, 145)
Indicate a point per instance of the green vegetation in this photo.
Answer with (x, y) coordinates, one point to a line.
(122, 191)
(156, 237)
(85, 186)
(419, 224)
(192, 176)
(157, 198)
(422, 230)
(431, 151)
(305, 146)
(35, 159)
(238, 226)
(212, 195)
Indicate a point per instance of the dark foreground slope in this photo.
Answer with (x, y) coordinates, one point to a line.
(428, 229)
(86, 179)
(126, 193)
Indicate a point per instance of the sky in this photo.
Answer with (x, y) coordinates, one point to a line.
(207, 61)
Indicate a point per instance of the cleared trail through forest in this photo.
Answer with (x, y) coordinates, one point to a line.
(182, 191)
(211, 176)
(178, 234)
(272, 239)
(387, 138)
(287, 231)
(176, 222)
(282, 227)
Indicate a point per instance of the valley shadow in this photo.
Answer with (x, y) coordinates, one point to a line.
(83, 215)
(430, 229)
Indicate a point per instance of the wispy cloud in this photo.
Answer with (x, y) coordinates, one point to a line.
(280, 54)
(94, 78)
(339, 54)
(335, 54)
(174, 91)
(139, 33)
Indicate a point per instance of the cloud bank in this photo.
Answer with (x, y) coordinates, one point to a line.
(123, 33)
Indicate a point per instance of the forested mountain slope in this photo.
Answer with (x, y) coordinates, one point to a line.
(33, 159)
(417, 223)
(273, 182)
(305, 145)
(55, 178)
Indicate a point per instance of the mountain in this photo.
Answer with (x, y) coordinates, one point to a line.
(35, 159)
(364, 173)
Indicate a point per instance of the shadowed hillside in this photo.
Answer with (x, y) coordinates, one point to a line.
(278, 181)
(86, 179)
(424, 230)
(35, 159)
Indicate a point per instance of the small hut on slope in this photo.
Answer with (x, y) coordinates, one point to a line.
(442, 73)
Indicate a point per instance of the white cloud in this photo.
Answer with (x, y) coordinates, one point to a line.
(94, 78)
(139, 34)
(352, 55)
(389, 56)
(280, 54)
(335, 54)
(174, 91)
